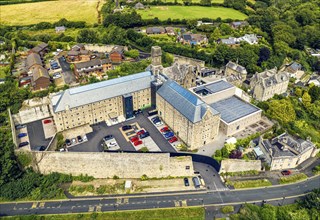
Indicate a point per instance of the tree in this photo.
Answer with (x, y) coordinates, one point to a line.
(88, 36)
(306, 99)
(314, 92)
(226, 29)
(298, 92)
(132, 53)
(205, 2)
(187, 2)
(264, 55)
(230, 147)
(282, 111)
(216, 34)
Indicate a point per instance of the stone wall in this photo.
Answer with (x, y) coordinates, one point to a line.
(103, 165)
(236, 165)
(188, 60)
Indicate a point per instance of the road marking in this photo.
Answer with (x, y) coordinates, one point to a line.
(98, 209)
(119, 200)
(184, 203)
(79, 206)
(177, 203)
(34, 205)
(41, 204)
(125, 200)
(91, 208)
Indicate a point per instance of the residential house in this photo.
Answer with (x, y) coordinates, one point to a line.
(40, 78)
(231, 41)
(235, 73)
(92, 66)
(314, 79)
(33, 60)
(41, 49)
(266, 84)
(60, 29)
(117, 54)
(139, 6)
(78, 47)
(249, 38)
(170, 31)
(238, 24)
(199, 23)
(285, 151)
(155, 30)
(194, 39)
(77, 54)
(295, 70)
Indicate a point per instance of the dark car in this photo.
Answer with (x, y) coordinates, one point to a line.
(68, 142)
(20, 126)
(155, 118)
(79, 138)
(126, 127)
(41, 148)
(196, 182)
(22, 144)
(186, 181)
(144, 135)
(21, 135)
(286, 172)
(108, 137)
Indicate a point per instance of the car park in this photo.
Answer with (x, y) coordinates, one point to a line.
(186, 181)
(20, 126)
(286, 172)
(126, 127)
(134, 139)
(108, 137)
(169, 135)
(47, 121)
(68, 142)
(40, 148)
(164, 129)
(141, 132)
(144, 135)
(21, 135)
(22, 144)
(173, 139)
(137, 143)
(79, 138)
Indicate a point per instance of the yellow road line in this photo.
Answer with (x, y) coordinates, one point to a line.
(34, 205)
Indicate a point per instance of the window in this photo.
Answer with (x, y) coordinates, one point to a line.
(187, 167)
(238, 127)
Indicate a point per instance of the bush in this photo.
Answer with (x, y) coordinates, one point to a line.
(227, 209)
(293, 178)
(115, 177)
(316, 170)
(144, 177)
(83, 178)
(24, 158)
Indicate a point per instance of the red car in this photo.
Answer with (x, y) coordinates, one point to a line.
(286, 172)
(173, 139)
(137, 143)
(47, 121)
(164, 129)
(141, 132)
(134, 139)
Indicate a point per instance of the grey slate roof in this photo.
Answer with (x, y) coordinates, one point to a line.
(236, 67)
(184, 101)
(95, 62)
(96, 92)
(233, 108)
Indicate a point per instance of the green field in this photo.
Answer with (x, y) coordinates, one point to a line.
(50, 11)
(190, 12)
(196, 1)
(156, 214)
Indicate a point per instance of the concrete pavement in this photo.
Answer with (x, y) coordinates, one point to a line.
(149, 201)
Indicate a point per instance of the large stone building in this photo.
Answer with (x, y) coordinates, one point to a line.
(235, 73)
(266, 84)
(285, 151)
(103, 101)
(236, 114)
(195, 122)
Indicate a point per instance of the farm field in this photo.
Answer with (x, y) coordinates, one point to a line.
(50, 11)
(190, 12)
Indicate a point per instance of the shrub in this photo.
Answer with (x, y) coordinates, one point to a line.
(249, 183)
(227, 209)
(144, 177)
(293, 178)
(115, 177)
(316, 170)
(24, 158)
(83, 178)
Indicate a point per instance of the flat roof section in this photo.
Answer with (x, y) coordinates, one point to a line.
(233, 108)
(218, 86)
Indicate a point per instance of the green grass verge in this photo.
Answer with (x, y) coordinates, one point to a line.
(316, 170)
(249, 183)
(190, 12)
(293, 178)
(194, 213)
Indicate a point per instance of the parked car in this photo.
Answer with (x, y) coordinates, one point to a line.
(173, 139)
(169, 135)
(73, 140)
(286, 172)
(22, 144)
(141, 132)
(164, 129)
(196, 182)
(21, 135)
(47, 121)
(108, 137)
(144, 135)
(41, 148)
(20, 126)
(137, 143)
(136, 112)
(79, 138)
(155, 118)
(134, 139)
(68, 142)
(126, 127)
(112, 144)
(158, 123)
(186, 181)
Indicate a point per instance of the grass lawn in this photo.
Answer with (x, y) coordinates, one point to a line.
(50, 11)
(190, 12)
(157, 214)
(250, 183)
(293, 178)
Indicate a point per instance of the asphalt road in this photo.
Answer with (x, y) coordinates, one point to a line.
(151, 201)
(100, 130)
(67, 73)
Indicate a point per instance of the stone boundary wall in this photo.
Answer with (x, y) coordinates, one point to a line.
(103, 165)
(188, 60)
(236, 165)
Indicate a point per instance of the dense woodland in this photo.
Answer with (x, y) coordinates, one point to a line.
(287, 28)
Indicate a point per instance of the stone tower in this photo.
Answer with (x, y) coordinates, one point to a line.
(156, 64)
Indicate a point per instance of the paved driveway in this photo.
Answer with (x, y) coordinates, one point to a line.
(100, 130)
(67, 73)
